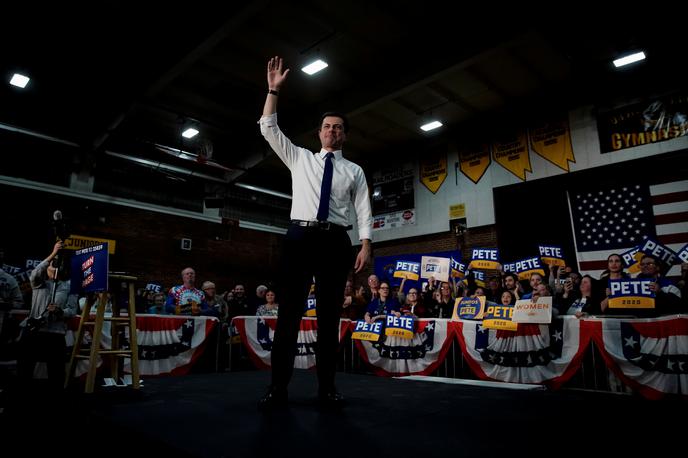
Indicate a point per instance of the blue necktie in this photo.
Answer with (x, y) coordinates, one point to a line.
(324, 207)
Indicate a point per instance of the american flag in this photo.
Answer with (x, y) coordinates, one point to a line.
(615, 219)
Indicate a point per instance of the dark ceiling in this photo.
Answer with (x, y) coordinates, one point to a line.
(117, 78)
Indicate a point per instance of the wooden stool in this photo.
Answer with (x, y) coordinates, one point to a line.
(117, 322)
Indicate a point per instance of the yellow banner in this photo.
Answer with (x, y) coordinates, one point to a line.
(552, 140)
(480, 264)
(399, 332)
(511, 152)
(408, 275)
(474, 162)
(78, 242)
(632, 302)
(553, 261)
(433, 171)
(525, 275)
(365, 336)
(506, 325)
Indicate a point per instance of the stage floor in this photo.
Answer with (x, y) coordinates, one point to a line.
(216, 415)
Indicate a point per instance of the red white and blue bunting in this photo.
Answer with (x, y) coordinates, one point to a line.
(547, 354)
(394, 356)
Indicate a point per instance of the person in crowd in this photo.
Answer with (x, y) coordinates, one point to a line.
(271, 307)
(325, 187)
(186, 299)
(43, 334)
(413, 305)
(494, 288)
(614, 271)
(583, 304)
(385, 304)
(239, 305)
(353, 305)
(215, 302)
(441, 306)
(259, 298)
(373, 289)
(535, 280)
(10, 294)
(511, 283)
(158, 307)
(667, 295)
(507, 298)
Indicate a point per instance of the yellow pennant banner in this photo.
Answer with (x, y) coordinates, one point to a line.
(511, 152)
(474, 162)
(433, 171)
(79, 242)
(552, 140)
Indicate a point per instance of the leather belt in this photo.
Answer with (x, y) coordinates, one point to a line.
(322, 225)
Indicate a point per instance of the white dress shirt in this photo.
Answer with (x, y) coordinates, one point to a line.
(348, 181)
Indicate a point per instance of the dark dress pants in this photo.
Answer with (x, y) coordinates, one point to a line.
(308, 253)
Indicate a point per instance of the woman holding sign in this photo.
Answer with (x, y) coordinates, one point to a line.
(383, 305)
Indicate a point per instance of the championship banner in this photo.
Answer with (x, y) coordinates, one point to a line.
(527, 311)
(547, 354)
(407, 269)
(402, 327)
(552, 141)
(438, 268)
(511, 152)
(474, 162)
(649, 355)
(652, 121)
(89, 271)
(552, 255)
(484, 258)
(634, 294)
(682, 254)
(659, 251)
(394, 356)
(78, 242)
(168, 345)
(457, 268)
(631, 260)
(257, 333)
(527, 267)
(433, 171)
(469, 308)
(498, 316)
(367, 331)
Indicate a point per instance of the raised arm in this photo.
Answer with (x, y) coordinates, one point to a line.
(276, 77)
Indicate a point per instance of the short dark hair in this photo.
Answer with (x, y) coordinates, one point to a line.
(345, 121)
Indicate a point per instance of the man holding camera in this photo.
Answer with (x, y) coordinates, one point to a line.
(43, 334)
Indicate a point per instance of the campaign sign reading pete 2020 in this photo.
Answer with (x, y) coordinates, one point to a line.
(634, 294)
(469, 308)
(367, 331)
(484, 258)
(631, 259)
(527, 267)
(527, 311)
(498, 316)
(659, 251)
(407, 269)
(552, 255)
(683, 253)
(400, 326)
(457, 268)
(90, 269)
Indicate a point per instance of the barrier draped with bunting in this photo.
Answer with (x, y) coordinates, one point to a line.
(649, 355)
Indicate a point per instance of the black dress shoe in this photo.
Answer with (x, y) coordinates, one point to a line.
(274, 399)
(331, 400)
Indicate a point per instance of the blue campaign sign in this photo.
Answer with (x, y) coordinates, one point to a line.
(367, 331)
(385, 266)
(90, 269)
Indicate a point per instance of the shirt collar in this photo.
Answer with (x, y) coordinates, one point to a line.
(323, 152)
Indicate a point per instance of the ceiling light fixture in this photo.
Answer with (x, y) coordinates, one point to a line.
(190, 133)
(431, 126)
(263, 190)
(629, 59)
(314, 67)
(19, 80)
